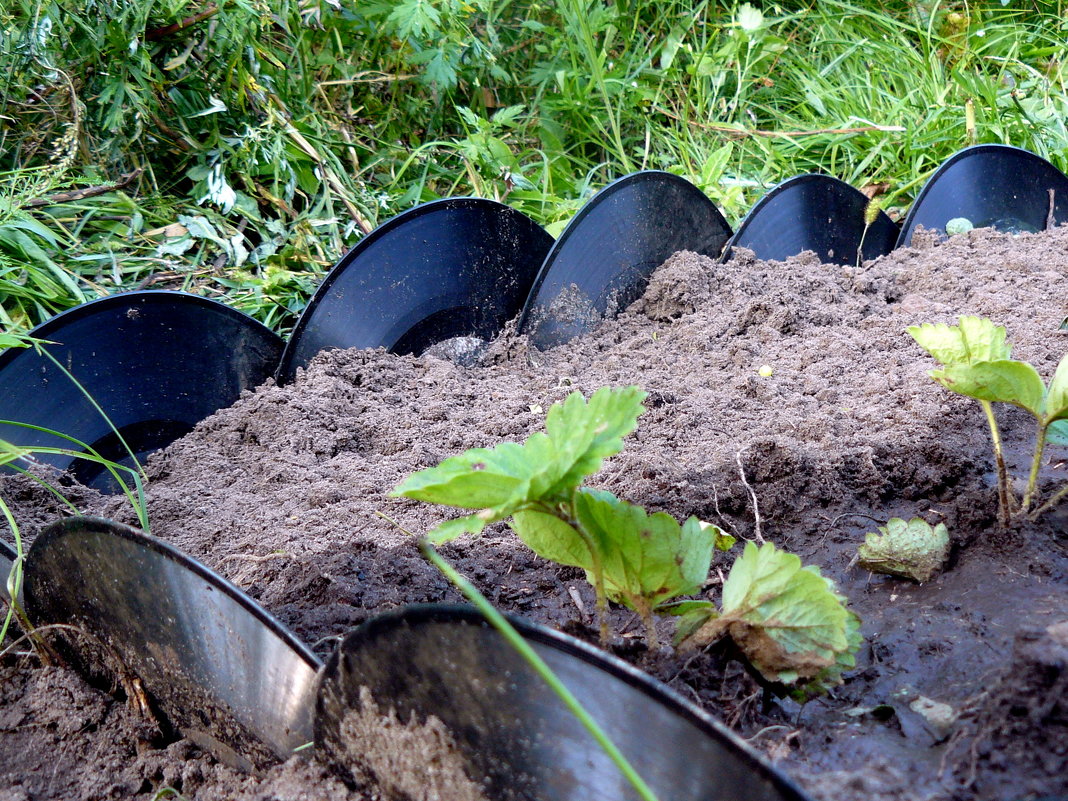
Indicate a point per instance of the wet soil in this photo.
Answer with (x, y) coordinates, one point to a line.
(961, 687)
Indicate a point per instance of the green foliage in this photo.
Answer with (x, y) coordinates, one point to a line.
(789, 620)
(912, 549)
(630, 556)
(976, 363)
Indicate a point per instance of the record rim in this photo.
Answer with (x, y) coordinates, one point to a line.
(286, 371)
(907, 228)
(96, 305)
(414, 615)
(575, 222)
(70, 526)
(778, 189)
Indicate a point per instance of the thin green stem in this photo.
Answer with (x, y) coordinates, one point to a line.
(1004, 502)
(13, 581)
(516, 640)
(1036, 464)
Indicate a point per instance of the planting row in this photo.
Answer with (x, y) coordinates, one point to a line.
(159, 362)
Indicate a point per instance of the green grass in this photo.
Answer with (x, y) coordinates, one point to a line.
(255, 140)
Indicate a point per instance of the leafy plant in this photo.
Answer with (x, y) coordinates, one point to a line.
(629, 556)
(912, 549)
(787, 619)
(976, 363)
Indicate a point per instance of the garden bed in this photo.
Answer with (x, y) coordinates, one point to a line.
(280, 494)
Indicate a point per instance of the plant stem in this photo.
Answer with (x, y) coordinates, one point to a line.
(1036, 463)
(1059, 496)
(516, 640)
(1004, 507)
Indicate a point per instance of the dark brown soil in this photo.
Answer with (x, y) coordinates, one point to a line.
(960, 687)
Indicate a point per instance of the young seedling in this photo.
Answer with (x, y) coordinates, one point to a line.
(630, 557)
(976, 363)
(787, 619)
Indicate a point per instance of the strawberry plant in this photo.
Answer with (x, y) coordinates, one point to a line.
(976, 363)
(788, 620)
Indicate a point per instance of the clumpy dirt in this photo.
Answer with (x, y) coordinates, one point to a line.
(959, 690)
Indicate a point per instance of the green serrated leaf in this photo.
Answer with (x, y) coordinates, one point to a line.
(585, 434)
(483, 478)
(788, 620)
(646, 559)
(975, 339)
(449, 530)
(1057, 433)
(1002, 381)
(912, 549)
(1057, 396)
(552, 538)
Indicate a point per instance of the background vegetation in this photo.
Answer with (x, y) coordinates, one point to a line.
(244, 145)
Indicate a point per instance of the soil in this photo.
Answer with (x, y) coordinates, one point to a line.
(961, 687)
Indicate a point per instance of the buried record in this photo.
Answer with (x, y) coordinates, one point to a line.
(220, 669)
(460, 267)
(155, 363)
(989, 186)
(440, 679)
(602, 261)
(817, 213)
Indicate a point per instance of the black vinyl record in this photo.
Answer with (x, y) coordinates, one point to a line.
(817, 213)
(990, 186)
(220, 669)
(602, 261)
(449, 268)
(157, 363)
(512, 737)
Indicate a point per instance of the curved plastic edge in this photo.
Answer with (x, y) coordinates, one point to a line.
(123, 299)
(786, 185)
(905, 238)
(576, 221)
(73, 525)
(417, 614)
(286, 370)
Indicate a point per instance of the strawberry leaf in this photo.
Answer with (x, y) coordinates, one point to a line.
(1057, 397)
(1004, 381)
(910, 549)
(647, 559)
(788, 620)
(975, 339)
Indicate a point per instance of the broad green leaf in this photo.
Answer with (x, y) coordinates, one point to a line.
(1004, 381)
(788, 620)
(503, 478)
(975, 339)
(1057, 433)
(584, 434)
(483, 478)
(449, 530)
(1057, 397)
(911, 549)
(645, 558)
(552, 538)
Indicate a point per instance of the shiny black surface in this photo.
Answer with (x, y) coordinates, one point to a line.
(513, 736)
(156, 362)
(817, 213)
(603, 259)
(456, 267)
(220, 669)
(992, 186)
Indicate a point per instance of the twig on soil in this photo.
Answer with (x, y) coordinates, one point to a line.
(752, 496)
(247, 557)
(577, 600)
(723, 524)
